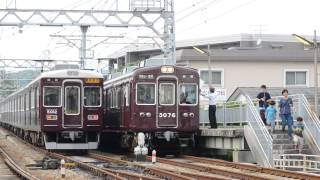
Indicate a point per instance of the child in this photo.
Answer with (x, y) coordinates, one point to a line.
(298, 134)
(271, 115)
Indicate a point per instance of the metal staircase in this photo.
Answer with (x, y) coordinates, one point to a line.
(277, 150)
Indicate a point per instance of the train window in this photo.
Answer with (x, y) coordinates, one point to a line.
(188, 94)
(145, 94)
(72, 100)
(32, 99)
(109, 99)
(92, 96)
(127, 94)
(52, 96)
(167, 94)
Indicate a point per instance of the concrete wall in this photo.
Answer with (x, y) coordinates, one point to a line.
(253, 74)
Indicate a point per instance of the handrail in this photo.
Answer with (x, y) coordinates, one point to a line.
(261, 134)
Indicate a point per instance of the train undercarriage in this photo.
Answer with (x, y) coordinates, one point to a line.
(165, 143)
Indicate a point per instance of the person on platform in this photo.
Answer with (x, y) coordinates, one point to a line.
(285, 105)
(212, 96)
(263, 98)
(271, 114)
(298, 134)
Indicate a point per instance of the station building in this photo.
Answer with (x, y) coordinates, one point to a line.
(242, 60)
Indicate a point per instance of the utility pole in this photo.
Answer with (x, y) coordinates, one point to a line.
(315, 46)
(209, 67)
(84, 30)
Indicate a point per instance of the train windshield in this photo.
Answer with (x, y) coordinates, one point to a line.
(72, 100)
(92, 96)
(145, 93)
(166, 94)
(188, 94)
(52, 96)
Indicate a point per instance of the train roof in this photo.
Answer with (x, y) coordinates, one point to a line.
(141, 69)
(66, 73)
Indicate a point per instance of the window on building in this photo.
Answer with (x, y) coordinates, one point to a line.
(296, 78)
(216, 77)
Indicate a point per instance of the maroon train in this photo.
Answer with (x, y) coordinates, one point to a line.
(159, 101)
(60, 109)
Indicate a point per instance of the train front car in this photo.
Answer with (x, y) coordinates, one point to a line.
(71, 109)
(161, 102)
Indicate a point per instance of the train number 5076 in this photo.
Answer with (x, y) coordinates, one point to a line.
(167, 115)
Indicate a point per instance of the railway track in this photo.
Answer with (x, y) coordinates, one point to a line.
(20, 172)
(254, 168)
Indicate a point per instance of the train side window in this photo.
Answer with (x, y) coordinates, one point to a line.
(27, 101)
(92, 96)
(188, 94)
(167, 94)
(32, 99)
(109, 99)
(127, 94)
(145, 94)
(52, 96)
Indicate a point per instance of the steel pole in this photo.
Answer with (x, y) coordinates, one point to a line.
(209, 67)
(315, 47)
(83, 48)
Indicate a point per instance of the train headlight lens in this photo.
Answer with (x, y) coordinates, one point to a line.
(93, 117)
(191, 115)
(167, 69)
(52, 117)
(142, 114)
(148, 114)
(185, 114)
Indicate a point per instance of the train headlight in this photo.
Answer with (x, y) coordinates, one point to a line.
(93, 117)
(142, 114)
(148, 114)
(185, 114)
(52, 117)
(191, 115)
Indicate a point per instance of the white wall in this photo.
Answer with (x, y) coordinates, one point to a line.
(253, 74)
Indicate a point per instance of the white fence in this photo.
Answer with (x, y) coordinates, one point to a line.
(298, 162)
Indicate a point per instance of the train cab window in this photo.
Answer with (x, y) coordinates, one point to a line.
(92, 96)
(72, 100)
(188, 94)
(166, 94)
(145, 94)
(52, 96)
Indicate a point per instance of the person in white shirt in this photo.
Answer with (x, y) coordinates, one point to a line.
(212, 107)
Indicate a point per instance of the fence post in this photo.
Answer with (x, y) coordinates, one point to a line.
(304, 163)
(224, 114)
(241, 114)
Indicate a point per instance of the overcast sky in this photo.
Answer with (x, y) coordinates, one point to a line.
(194, 19)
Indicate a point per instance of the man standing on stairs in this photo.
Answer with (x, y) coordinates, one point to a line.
(263, 99)
(285, 105)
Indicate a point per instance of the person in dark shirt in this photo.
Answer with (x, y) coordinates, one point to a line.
(263, 99)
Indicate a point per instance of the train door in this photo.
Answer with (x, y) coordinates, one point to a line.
(167, 108)
(72, 103)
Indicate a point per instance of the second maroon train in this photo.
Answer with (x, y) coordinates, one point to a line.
(64, 109)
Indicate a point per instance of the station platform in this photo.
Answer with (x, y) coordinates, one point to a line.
(224, 142)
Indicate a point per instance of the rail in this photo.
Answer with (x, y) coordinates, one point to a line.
(298, 162)
(15, 167)
(257, 136)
